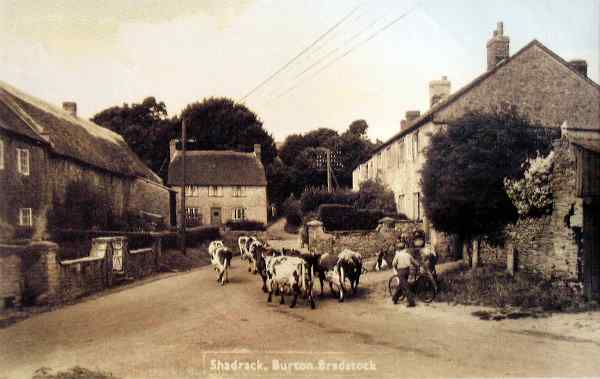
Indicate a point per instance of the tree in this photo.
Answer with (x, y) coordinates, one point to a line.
(145, 127)
(373, 194)
(222, 124)
(462, 179)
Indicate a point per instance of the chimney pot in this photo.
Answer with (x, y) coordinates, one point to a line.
(70, 107)
(412, 116)
(579, 65)
(402, 124)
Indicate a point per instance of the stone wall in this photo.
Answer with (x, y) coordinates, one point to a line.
(80, 277)
(366, 242)
(11, 278)
(548, 245)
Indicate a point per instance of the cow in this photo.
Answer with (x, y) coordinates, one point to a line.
(242, 241)
(220, 258)
(351, 267)
(336, 269)
(289, 275)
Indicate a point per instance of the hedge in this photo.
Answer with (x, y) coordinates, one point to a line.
(247, 225)
(346, 217)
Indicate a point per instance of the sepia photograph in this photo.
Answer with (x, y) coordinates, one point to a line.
(299, 189)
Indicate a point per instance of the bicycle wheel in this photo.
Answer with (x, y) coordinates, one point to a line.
(393, 284)
(425, 290)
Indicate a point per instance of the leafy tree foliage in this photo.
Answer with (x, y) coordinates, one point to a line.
(373, 194)
(300, 152)
(222, 124)
(462, 179)
(145, 127)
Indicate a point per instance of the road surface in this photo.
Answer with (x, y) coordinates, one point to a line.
(185, 325)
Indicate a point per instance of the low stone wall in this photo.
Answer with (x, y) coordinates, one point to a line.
(142, 262)
(84, 276)
(366, 242)
(11, 278)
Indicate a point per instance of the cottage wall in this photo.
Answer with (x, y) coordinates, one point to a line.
(149, 197)
(254, 201)
(22, 191)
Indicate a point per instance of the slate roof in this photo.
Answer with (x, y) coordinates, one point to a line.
(217, 168)
(428, 116)
(69, 136)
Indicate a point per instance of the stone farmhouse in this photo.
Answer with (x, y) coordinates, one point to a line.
(546, 89)
(220, 185)
(44, 148)
(542, 86)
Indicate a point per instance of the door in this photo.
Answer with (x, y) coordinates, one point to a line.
(215, 216)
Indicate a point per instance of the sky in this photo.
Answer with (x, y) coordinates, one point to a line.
(328, 63)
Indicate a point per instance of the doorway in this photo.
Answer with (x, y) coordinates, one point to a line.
(215, 216)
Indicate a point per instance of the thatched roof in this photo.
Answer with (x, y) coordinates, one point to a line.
(69, 136)
(217, 168)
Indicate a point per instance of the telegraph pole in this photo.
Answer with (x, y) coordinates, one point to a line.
(183, 139)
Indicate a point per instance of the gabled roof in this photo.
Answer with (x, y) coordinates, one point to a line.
(428, 116)
(69, 136)
(217, 168)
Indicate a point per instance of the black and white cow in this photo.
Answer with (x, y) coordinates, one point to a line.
(247, 246)
(289, 275)
(336, 269)
(220, 258)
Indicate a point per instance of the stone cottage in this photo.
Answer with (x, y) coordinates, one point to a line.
(44, 148)
(539, 83)
(220, 185)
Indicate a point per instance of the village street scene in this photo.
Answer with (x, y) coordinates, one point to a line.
(339, 189)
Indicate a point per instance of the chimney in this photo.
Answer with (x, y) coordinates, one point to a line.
(71, 107)
(579, 65)
(411, 116)
(402, 124)
(257, 151)
(438, 89)
(497, 47)
(172, 149)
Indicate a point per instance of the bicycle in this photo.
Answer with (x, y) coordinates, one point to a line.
(422, 286)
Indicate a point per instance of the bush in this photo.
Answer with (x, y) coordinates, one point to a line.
(373, 194)
(346, 217)
(292, 211)
(248, 225)
(193, 236)
(84, 208)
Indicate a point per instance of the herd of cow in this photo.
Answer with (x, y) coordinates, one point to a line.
(288, 271)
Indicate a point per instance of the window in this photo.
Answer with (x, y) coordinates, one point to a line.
(238, 214)
(389, 158)
(23, 161)
(239, 191)
(192, 191)
(1, 155)
(25, 217)
(193, 217)
(215, 191)
(417, 206)
(401, 207)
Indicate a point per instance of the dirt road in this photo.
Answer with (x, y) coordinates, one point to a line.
(186, 326)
